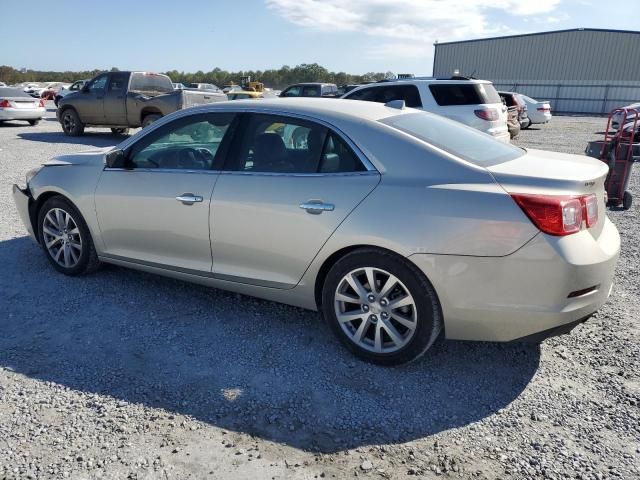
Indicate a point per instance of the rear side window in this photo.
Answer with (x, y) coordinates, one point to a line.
(118, 82)
(455, 138)
(464, 94)
(150, 82)
(337, 157)
(408, 93)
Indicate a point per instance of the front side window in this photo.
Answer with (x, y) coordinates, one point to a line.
(292, 91)
(98, 84)
(189, 143)
(455, 138)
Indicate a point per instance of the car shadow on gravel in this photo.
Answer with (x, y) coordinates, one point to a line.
(236, 362)
(95, 139)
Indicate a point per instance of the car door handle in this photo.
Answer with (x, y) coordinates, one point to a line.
(189, 198)
(315, 207)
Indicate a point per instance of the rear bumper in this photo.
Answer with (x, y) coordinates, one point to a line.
(22, 200)
(22, 113)
(503, 136)
(527, 292)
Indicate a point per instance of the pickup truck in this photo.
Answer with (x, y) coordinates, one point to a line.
(119, 100)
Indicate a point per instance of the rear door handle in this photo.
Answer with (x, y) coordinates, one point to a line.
(316, 207)
(189, 198)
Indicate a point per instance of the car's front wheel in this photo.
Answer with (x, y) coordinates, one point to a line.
(120, 131)
(65, 237)
(71, 123)
(381, 307)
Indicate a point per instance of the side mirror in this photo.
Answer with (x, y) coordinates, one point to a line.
(115, 159)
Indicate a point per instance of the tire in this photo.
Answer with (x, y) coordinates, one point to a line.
(120, 131)
(149, 119)
(33, 123)
(376, 313)
(71, 123)
(627, 200)
(81, 260)
(528, 124)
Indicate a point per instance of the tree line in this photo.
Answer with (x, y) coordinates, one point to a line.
(274, 78)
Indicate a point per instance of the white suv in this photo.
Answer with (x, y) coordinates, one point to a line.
(473, 102)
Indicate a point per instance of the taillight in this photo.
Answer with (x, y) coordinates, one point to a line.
(488, 114)
(42, 103)
(590, 203)
(544, 109)
(5, 104)
(559, 215)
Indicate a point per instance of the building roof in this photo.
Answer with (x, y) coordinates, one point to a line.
(540, 33)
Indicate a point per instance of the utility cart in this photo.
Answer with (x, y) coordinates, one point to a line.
(619, 150)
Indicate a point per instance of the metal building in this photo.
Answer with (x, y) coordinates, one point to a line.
(584, 70)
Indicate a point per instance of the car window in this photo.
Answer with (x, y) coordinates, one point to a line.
(464, 94)
(275, 144)
(455, 138)
(188, 143)
(291, 91)
(150, 82)
(118, 82)
(408, 93)
(337, 157)
(311, 91)
(98, 83)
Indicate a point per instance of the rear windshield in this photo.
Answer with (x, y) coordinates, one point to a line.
(150, 82)
(13, 92)
(464, 94)
(455, 138)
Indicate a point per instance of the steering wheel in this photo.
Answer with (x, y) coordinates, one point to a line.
(190, 158)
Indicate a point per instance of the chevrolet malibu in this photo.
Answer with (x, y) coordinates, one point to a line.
(395, 223)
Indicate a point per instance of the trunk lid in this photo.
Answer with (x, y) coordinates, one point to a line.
(551, 173)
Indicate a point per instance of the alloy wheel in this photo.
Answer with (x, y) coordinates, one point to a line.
(62, 237)
(69, 122)
(375, 310)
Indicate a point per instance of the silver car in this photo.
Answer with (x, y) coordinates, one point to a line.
(15, 104)
(395, 223)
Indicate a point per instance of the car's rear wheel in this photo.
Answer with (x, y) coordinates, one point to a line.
(71, 123)
(120, 131)
(627, 200)
(65, 237)
(381, 307)
(33, 123)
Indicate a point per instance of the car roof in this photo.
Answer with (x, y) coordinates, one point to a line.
(310, 84)
(329, 109)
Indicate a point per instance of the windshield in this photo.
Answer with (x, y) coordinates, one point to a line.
(150, 82)
(455, 138)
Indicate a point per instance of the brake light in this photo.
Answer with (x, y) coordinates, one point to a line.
(488, 114)
(5, 104)
(42, 103)
(590, 203)
(544, 109)
(559, 215)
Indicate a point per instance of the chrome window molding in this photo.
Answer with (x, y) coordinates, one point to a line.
(266, 111)
(230, 172)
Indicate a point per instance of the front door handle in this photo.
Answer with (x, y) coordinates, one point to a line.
(316, 207)
(189, 198)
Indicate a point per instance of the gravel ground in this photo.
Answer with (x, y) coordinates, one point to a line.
(122, 374)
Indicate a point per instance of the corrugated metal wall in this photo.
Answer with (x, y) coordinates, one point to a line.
(579, 71)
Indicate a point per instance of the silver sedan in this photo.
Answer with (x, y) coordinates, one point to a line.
(15, 104)
(395, 223)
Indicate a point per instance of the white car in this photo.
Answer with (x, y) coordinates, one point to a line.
(538, 112)
(475, 103)
(617, 117)
(15, 104)
(2, 84)
(74, 87)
